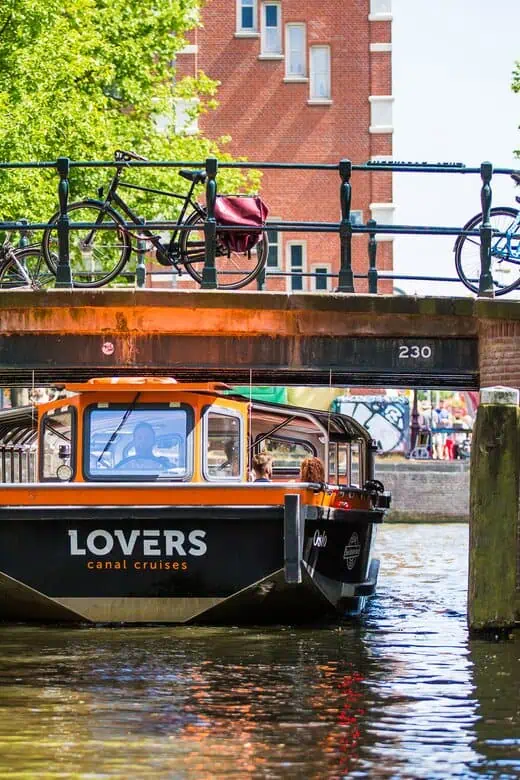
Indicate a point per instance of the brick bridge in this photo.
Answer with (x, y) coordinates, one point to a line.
(262, 338)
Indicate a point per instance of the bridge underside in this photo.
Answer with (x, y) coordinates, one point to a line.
(284, 360)
(264, 338)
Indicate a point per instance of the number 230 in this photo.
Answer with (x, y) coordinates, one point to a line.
(414, 352)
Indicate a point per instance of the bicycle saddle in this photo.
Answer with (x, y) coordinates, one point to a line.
(199, 177)
(516, 178)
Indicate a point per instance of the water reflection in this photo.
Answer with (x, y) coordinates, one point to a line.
(403, 694)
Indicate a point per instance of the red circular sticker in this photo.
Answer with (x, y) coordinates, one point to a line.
(108, 348)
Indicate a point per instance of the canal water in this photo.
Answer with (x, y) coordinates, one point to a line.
(404, 693)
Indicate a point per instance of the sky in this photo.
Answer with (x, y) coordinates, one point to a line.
(452, 71)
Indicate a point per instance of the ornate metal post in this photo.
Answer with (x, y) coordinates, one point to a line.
(63, 270)
(346, 277)
(260, 280)
(485, 285)
(372, 251)
(209, 273)
(140, 268)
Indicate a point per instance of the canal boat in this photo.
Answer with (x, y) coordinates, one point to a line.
(130, 500)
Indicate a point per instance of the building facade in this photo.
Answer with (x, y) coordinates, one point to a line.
(308, 82)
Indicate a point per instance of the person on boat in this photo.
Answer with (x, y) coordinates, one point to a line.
(262, 467)
(312, 470)
(144, 459)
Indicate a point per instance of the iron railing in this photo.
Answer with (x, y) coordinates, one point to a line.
(344, 228)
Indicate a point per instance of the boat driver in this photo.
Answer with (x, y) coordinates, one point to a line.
(144, 459)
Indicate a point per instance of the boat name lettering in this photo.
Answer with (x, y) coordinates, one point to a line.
(319, 539)
(149, 542)
(352, 551)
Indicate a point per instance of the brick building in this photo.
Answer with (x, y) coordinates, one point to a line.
(304, 81)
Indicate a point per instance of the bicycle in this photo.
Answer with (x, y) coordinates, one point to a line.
(23, 267)
(505, 250)
(98, 255)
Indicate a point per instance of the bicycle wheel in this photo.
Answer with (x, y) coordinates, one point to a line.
(97, 255)
(505, 253)
(234, 271)
(28, 271)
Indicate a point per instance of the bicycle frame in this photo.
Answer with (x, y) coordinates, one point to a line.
(113, 197)
(503, 249)
(7, 256)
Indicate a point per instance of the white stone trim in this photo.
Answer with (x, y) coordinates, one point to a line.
(296, 79)
(381, 157)
(381, 98)
(383, 17)
(380, 47)
(317, 102)
(270, 57)
(246, 35)
(383, 129)
(383, 207)
(190, 48)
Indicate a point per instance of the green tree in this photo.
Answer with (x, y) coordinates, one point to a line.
(83, 78)
(516, 88)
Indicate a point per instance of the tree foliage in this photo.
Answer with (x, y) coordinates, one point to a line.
(83, 78)
(516, 88)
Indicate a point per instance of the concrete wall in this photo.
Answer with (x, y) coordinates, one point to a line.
(436, 491)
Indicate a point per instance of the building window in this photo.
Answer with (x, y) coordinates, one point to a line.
(271, 29)
(320, 73)
(273, 260)
(320, 280)
(295, 51)
(296, 266)
(186, 122)
(246, 16)
(356, 217)
(380, 8)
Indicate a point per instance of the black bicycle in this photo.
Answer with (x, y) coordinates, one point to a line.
(98, 255)
(23, 267)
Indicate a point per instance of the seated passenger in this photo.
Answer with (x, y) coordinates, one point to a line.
(312, 470)
(262, 467)
(144, 459)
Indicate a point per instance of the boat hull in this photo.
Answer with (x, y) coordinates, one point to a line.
(287, 563)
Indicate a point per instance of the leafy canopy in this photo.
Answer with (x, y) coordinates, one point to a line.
(516, 88)
(83, 78)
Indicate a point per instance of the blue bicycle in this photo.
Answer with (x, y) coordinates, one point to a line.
(505, 250)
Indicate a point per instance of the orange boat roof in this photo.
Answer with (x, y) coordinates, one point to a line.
(147, 383)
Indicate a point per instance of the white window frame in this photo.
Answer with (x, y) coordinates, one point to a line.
(184, 123)
(264, 53)
(313, 278)
(278, 243)
(288, 265)
(223, 412)
(245, 32)
(288, 58)
(313, 97)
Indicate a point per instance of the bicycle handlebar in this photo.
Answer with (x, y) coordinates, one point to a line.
(123, 156)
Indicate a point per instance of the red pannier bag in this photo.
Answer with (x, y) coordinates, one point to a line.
(240, 210)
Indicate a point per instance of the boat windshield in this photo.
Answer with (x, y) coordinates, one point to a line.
(152, 442)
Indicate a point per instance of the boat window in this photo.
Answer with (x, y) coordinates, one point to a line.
(138, 442)
(356, 464)
(344, 464)
(223, 457)
(57, 449)
(287, 454)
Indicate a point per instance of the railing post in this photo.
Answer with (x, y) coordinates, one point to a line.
(23, 241)
(346, 277)
(63, 270)
(372, 252)
(260, 279)
(140, 268)
(209, 273)
(485, 286)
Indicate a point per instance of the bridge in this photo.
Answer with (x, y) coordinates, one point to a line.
(259, 338)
